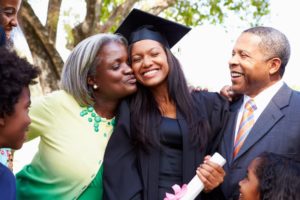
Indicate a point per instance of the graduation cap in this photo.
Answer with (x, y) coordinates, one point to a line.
(2, 36)
(140, 25)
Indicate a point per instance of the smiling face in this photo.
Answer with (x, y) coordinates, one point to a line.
(249, 186)
(8, 15)
(149, 63)
(13, 127)
(113, 76)
(250, 68)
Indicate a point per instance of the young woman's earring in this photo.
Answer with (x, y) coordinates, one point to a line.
(95, 87)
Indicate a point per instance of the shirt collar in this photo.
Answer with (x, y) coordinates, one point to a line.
(264, 97)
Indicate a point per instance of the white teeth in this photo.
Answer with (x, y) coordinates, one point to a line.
(236, 74)
(148, 73)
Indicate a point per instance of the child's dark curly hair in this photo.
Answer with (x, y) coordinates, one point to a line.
(278, 176)
(15, 74)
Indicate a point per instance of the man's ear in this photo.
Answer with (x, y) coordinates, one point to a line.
(2, 121)
(274, 66)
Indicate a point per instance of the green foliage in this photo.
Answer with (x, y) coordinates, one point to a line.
(296, 87)
(195, 12)
(108, 6)
(189, 12)
(70, 20)
(261, 9)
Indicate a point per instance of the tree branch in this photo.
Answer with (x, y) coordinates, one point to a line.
(98, 11)
(43, 50)
(90, 19)
(121, 10)
(88, 26)
(52, 18)
(160, 6)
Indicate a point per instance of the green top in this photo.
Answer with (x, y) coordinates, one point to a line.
(70, 152)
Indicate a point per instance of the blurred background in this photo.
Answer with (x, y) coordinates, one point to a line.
(49, 29)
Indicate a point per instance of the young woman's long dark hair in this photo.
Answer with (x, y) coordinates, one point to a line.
(279, 177)
(145, 111)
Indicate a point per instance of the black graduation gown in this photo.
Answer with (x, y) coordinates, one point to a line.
(130, 173)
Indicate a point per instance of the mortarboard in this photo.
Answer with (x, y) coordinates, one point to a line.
(139, 25)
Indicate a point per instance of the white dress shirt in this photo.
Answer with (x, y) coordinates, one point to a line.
(261, 102)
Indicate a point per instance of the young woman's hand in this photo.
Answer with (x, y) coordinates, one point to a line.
(211, 174)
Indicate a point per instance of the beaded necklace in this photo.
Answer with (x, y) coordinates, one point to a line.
(96, 119)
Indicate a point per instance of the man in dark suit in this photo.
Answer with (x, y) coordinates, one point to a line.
(8, 21)
(272, 121)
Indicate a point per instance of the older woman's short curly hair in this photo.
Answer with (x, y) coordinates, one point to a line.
(15, 74)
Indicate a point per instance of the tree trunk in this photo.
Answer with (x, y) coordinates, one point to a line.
(42, 48)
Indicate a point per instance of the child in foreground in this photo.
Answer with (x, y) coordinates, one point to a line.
(16, 74)
(271, 177)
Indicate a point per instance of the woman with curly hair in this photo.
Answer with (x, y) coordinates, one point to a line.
(16, 74)
(271, 177)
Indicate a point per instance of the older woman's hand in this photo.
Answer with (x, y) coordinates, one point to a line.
(229, 94)
(211, 174)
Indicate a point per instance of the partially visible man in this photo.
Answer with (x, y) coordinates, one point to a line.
(267, 117)
(8, 20)
(8, 16)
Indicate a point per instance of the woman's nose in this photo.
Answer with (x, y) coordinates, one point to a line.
(128, 69)
(147, 61)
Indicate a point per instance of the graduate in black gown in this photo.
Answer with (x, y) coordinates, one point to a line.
(164, 131)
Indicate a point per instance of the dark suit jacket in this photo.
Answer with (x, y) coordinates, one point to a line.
(131, 173)
(276, 130)
(7, 184)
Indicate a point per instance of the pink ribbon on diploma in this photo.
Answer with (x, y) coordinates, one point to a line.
(178, 192)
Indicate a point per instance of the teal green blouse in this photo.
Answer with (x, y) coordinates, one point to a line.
(95, 189)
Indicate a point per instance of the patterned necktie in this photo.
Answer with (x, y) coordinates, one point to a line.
(245, 127)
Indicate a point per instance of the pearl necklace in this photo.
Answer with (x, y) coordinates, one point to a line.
(94, 117)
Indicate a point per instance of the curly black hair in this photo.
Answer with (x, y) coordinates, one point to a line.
(278, 176)
(15, 74)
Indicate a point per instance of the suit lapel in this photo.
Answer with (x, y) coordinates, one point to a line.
(268, 118)
(229, 134)
(264, 123)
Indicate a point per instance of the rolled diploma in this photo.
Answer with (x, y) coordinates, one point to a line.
(195, 186)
